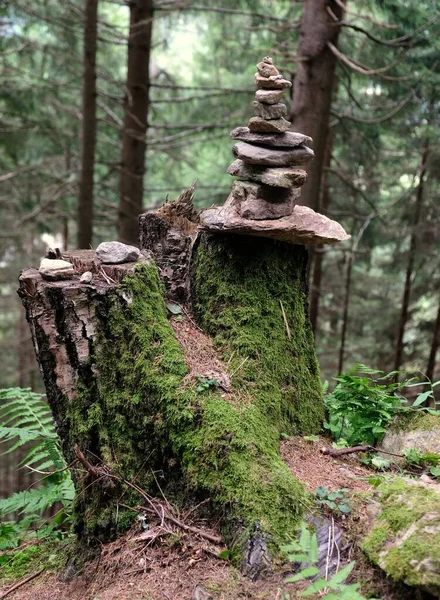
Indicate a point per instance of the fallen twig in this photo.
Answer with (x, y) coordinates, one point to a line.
(353, 449)
(20, 583)
(103, 472)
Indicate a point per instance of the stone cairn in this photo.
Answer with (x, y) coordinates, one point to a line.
(268, 156)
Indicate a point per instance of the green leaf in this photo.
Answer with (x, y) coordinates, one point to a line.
(174, 309)
(224, 554)
(422, 398)
(435, 471)
(316, 586)
(304, 574)
(341, 575)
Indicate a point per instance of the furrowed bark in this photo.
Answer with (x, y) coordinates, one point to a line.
(85, 199)
(313, 85)
(131, 184)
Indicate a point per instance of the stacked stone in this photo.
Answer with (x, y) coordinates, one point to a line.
(268, 156)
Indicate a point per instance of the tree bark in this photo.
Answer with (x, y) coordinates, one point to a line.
(123, 379)
(313, 85)
(131, 184)
(398, 358)
(345, 312)
(430, 369)
(318, 252)
(85, 199)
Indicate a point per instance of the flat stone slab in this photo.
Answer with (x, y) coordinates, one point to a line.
(303, 226)
(289, 139)
(56, 269)
(269, 111)
(274, 82)
(269, 96)
(269, 157)
(283, 177)
(260, 125)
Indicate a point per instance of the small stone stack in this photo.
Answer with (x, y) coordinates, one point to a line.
(268, 156)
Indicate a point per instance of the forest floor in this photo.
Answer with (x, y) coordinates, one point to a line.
(183, 566)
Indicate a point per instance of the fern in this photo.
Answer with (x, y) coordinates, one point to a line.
(25, 419)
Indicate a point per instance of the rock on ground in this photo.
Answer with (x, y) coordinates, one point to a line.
(404, 535)
(115, 253)
(418, 430)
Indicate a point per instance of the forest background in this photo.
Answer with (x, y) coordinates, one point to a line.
(374, 299)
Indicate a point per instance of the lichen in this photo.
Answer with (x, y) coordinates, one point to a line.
(405, 541)
(145, 422)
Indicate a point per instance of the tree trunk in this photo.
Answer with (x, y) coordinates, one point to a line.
(123, 378)
(411, 258)
(85, 199)
(131, 184)
(313, 85)
(345, 313)
(430, 369)
(318, 252)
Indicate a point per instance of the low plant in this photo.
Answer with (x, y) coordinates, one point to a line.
(305, 551)
(206, 383)
(362, 405)
(27, 421)
(336, 500)
(365, 401)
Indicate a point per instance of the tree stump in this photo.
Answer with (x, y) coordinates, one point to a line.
(123, 387)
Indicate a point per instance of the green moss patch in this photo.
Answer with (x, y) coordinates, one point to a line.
(416, 421)
(242, 285)
(138, 415)
(405, 541)
(49, 555)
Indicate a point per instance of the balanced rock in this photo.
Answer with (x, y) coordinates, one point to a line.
(259, 155)
(289, 139)
(268, 96)
(303, 226)
(269, 111)
(115, 253)
(274, 82)
(56, 269)
(282, 177)
(266, 69)
(259, 125)
(259, 202)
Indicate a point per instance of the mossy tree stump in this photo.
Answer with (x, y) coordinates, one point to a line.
(118, 385)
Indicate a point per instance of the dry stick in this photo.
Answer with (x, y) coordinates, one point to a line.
(354, 449)
(102, 472)
(285, 320)
(20, 583)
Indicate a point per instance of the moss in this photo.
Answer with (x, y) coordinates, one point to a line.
(416, 420)
(139, 418)
(374, 543)
(49, 555)
(405, 541)
(242, 284)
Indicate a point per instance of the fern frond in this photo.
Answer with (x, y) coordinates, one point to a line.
(38, 499)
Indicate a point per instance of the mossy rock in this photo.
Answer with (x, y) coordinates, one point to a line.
(418, 429)
(404, 538)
